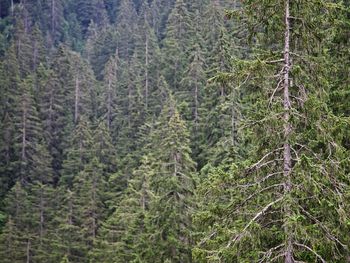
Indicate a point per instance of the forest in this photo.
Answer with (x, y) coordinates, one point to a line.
(174, 131)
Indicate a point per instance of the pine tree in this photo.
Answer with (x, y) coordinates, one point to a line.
(123, 237)
(10, 81)
(127, 24)
(88, 11)
(148, 54)
(89, 188)
(285, 202)
(194, 82)
(176, 43)
(52, 112)
(28, 130)
(16, 238)
(79, 152)
(68, 240)
(103, 149)
(109, 105)
(169, 219)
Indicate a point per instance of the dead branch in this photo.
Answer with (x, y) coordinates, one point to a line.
(260, 181)
(262, 159)
(274, 92)
(256, 217)
(311, 250)
(268, 254)
(323, 227)
(259, 192)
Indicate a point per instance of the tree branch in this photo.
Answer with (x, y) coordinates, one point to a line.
(311, 250)
(256, 217)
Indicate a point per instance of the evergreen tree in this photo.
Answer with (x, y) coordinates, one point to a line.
(127, 24)
(283, 202)
(89, 188)
(10, 81)
(176, 43)
(16, 239)
(123, 237)
(28, 130)
(79, 152)
(169, 219)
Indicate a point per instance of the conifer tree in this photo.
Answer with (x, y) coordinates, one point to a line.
(285, 202)
(69, 241)
(148, 54)
(172, 187)
(127, 24)
(79, 152)
(176, 43)
(123, 237)
(89, 188)
(10, 81)
(16, 238)
(28, 130)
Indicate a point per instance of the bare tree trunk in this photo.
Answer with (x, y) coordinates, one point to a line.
(94, 213)
(12, 7)
(28, 251)
(196, 106)
(76, 100)
(53, 22)
(109, 103)
(147, 65)
(233, 125)
(287, 158)
(41, 215)
(24, 132)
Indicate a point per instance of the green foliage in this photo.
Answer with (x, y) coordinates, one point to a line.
(159, 131)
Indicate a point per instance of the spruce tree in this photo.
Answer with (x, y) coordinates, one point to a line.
(169, 217)
(78, 154)
(176, 43)
(286, 202)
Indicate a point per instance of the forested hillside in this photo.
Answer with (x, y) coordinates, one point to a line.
(174, 131)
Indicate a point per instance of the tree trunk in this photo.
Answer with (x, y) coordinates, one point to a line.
(53, 26)
(147, 65)
(12, 7)
(76, 100)
(41, 215)
(287, 158)
(196, 106)
(109, 103)
(28, 251)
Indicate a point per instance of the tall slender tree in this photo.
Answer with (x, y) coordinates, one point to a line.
(286, 202)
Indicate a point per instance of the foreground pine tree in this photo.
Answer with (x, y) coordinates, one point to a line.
(287, 202)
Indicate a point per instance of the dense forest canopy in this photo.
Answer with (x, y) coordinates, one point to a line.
(174, 131)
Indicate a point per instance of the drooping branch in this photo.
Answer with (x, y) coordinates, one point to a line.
(311, 250)
(254, 219)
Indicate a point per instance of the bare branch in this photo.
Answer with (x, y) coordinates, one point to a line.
(311, 250)
(323, 227)
(257, 165)
(256, 217)
(207, 238)
(268, 254)
(260, 181)
(274, 92)
(259, 192)
(274, 61)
